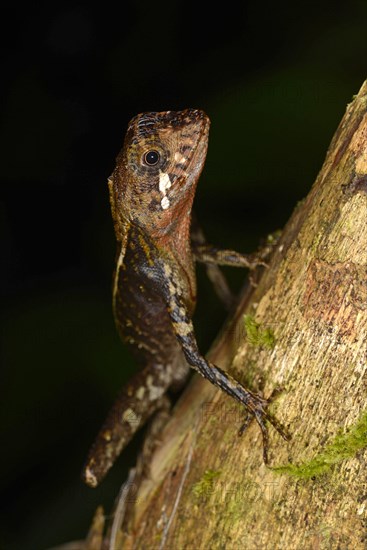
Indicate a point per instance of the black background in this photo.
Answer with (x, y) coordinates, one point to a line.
(274, 79)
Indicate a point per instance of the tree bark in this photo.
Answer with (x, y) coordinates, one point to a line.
(303, 329)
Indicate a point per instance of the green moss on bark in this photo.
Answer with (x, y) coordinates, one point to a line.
(342, 447)
(258, 336)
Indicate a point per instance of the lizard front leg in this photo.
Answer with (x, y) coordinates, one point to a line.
(212, 255)
(184, 331)
(138, 401)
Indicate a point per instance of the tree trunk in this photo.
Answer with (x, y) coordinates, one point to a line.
(303, 329)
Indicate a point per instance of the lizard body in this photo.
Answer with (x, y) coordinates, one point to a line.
(154, 289)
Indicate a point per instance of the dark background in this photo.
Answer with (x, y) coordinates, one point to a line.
(274, 79)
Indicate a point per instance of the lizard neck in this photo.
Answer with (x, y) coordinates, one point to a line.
(174, 242)
(172, 235)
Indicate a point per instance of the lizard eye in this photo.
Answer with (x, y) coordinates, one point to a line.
(151, 158)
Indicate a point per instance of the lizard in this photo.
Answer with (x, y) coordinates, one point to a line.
(151, 191)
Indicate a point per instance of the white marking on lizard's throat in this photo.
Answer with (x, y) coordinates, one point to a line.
(165, 202)
(164, 185)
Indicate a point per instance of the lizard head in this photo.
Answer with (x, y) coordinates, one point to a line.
(156, 174)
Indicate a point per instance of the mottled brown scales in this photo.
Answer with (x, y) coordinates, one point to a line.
(154, 289)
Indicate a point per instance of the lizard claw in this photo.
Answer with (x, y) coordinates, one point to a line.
(258, 411)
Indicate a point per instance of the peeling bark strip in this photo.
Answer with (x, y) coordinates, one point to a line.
(313, 299)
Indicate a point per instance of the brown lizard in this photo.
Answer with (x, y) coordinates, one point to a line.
(154, 288)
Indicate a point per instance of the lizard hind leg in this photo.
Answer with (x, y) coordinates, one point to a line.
(136, 403)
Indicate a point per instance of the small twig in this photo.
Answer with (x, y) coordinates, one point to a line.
(120, 510)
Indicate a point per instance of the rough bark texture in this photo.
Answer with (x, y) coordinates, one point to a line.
(305, 331)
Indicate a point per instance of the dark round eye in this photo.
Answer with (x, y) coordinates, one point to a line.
(151, 158)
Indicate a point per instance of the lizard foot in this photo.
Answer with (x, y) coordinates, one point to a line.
(257, 408)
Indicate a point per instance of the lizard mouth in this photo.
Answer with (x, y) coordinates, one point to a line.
(198, 130)
(194, 129)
